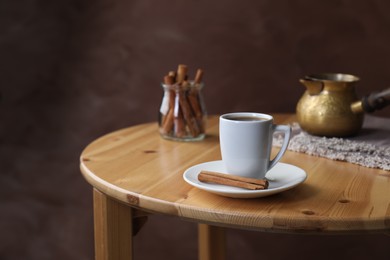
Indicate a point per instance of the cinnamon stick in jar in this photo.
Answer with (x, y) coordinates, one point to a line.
(172, 75)
(198, 76)
(167, 106)
(181, 73)
(179, 124)
(194, 100)
(187, 113)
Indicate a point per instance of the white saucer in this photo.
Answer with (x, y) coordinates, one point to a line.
(281, 177)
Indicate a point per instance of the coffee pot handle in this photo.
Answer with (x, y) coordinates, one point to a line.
(287, 133)
(376, 100)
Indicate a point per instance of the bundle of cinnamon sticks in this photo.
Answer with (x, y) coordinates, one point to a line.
(182, 113)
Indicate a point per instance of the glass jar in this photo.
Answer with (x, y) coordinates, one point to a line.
(182, 114)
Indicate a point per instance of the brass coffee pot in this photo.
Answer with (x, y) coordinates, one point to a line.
(330, 107)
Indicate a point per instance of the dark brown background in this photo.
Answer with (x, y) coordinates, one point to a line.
(73, 70)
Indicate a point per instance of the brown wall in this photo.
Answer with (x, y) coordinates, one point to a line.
(72, 70)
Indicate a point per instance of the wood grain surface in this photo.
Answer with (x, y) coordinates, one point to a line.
(136, 166)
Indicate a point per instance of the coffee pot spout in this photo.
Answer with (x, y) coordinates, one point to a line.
(314, 87)
(372, 102)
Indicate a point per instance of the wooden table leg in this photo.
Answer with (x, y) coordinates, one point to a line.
(212, 242)
(113, 228)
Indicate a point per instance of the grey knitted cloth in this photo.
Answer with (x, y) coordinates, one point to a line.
(370, 148)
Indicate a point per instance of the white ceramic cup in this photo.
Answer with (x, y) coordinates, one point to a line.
(246, 143)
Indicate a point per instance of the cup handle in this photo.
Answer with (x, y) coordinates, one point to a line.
(287, 132)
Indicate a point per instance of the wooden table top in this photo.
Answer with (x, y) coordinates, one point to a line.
(136, 166)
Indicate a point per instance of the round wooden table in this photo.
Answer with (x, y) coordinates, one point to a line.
(134, 172)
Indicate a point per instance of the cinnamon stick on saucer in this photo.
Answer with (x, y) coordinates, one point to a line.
(232, 180)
